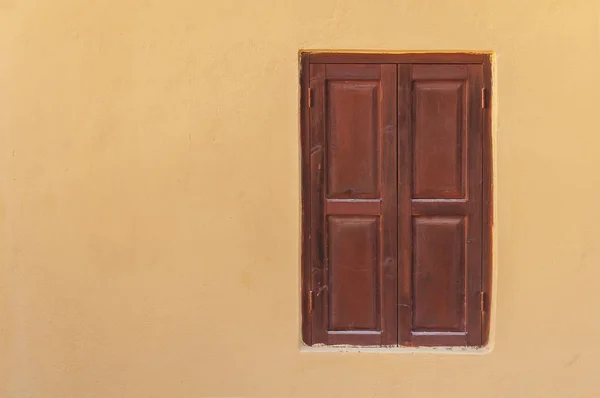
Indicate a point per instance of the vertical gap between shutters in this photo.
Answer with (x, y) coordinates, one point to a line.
(396, 204)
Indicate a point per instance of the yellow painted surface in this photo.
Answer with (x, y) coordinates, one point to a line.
(149, 170)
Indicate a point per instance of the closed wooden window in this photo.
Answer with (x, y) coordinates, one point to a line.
(396, 202)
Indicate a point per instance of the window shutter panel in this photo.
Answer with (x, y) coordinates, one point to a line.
(353, 188)
(440, 125)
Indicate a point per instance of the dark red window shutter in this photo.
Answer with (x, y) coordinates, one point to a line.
(440, 204)
(353, 204)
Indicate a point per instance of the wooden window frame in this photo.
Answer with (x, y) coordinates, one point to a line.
(314, 57)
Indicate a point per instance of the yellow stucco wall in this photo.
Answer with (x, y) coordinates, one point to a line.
(149, 170)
